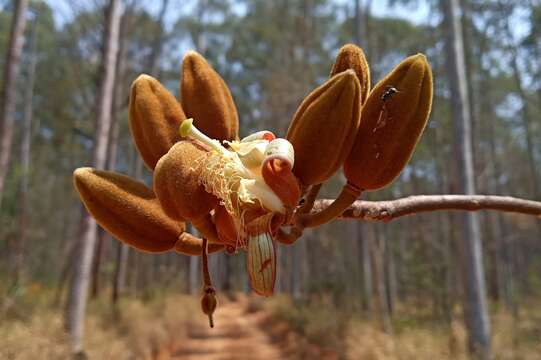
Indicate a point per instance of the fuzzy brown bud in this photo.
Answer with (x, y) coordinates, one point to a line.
(392, 121)
(154, 116)
(128, 210)
(176, 183)
(324, 127)
(352, 57)
(206, 98)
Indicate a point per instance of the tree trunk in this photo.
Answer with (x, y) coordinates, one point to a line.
(195, 287)
(154, 64)
(366, 266)
(9, 98)
(377, 250)
(121, 263)
(121, 259)
(81, 277)
(474, 302)
(390, 271)
(527, 124)
(503, 266)
(193, 268)
(117, 108)
(296, 268)
(25, 158)
(359, 26)
(99, 251)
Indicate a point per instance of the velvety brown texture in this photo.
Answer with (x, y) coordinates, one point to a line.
(128, 210)
(352, 57)
(155, 116)
(176, 186)
(324, 128)
(206, 98)
(382, 149)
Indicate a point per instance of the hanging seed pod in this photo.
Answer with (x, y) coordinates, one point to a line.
(154, 116)
(393, 120)
(261, 262)
(324, 128)
(207, 99)
(176, 183)
(128, 210)
(352, 57)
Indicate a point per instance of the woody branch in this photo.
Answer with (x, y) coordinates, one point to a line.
(392, 209)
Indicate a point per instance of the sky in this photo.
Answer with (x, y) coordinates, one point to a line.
(417, 14)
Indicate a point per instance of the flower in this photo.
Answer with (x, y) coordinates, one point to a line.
(241, 194)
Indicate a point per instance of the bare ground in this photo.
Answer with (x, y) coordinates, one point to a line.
(236, 335)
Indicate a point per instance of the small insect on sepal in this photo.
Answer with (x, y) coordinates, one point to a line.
(389, 92)
(393, 119)
(261, 263)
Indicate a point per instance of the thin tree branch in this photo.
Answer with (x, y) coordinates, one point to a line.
(392, 209)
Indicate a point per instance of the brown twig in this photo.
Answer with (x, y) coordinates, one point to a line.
(310, 199)
(288, 238)
(208, 301)
(392, 209)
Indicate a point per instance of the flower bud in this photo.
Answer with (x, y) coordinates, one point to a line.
(209, 303)
(352, 57)
(393, 120)
(324, 128)
(176, 183)
(206, 98)
(128, 210)
(154, 116)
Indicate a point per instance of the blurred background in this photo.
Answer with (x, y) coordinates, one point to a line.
(355, 290)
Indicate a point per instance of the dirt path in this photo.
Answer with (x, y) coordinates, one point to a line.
(236, 335)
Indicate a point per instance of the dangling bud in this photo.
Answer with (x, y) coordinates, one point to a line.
(207, 99)
(393, 120)
(155, 116)
(209, 303)
(352, 57)
(324, 128)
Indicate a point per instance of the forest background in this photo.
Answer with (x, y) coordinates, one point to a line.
(352, 288)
